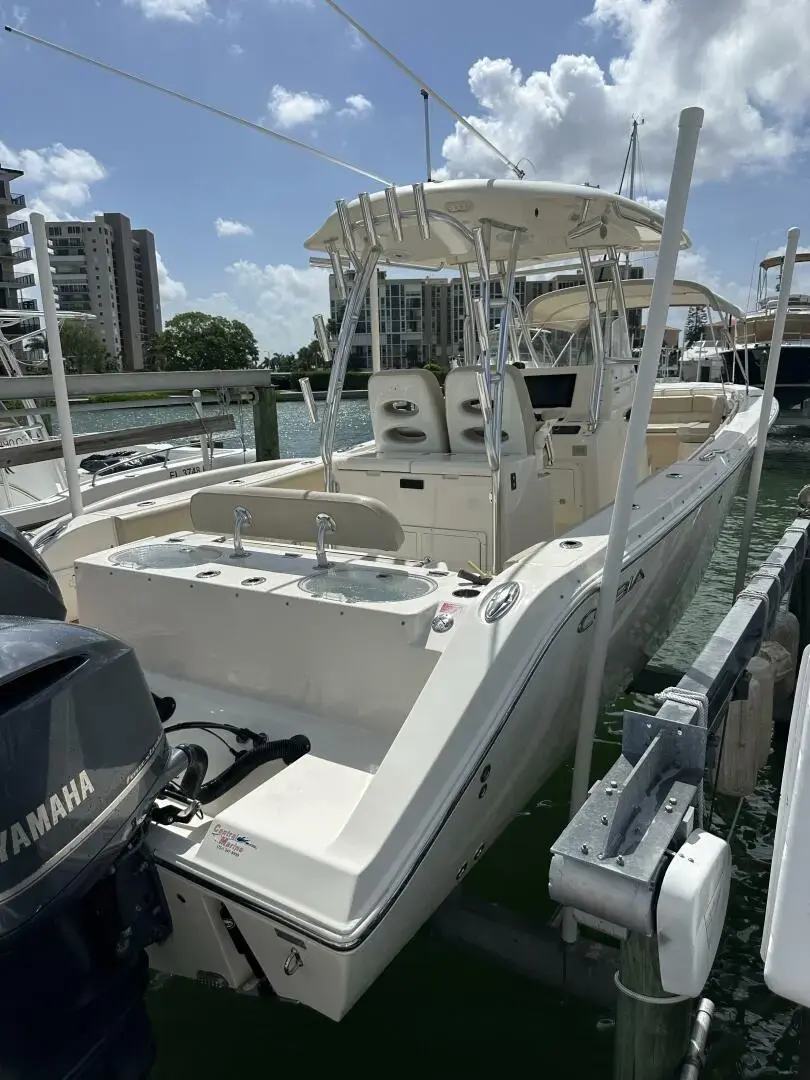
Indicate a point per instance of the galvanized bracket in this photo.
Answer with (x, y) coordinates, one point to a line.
(610, 859)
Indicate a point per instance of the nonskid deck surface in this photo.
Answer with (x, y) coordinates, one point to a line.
(352, 745)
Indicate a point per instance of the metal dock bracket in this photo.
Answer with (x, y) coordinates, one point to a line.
(609, 859)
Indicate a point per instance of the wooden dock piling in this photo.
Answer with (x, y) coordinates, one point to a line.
(265, 424)
(652, 1039)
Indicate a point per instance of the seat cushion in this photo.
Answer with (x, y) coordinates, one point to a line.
(289, 514)
(695, 432)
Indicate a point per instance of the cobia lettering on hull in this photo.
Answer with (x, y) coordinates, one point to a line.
(589, 618)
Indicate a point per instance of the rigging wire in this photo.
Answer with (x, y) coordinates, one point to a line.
(425, 86)
(200, 104)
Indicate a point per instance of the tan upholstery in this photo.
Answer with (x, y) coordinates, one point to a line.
(671, 410)
(693, 433)
(465, 424)
(289, 514)
(407, 412)
(679, 421)
(152, 521)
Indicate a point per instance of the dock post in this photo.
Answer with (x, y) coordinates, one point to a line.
(265, 424)
(652, 1036)
(800, 604)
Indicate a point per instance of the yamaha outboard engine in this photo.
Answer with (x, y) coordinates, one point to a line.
(83, 756)
(27, 586)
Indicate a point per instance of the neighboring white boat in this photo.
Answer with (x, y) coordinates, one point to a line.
(434, 698)
(33, 495)
(566, 310)
(37, 492)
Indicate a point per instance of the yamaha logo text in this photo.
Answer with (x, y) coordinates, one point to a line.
(24, 833)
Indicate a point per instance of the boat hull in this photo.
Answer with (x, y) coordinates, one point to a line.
(30, 515)
(531, 742)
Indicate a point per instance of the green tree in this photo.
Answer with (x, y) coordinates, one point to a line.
(83, 349)
(194, 341)
(308, 357)
(696, 322)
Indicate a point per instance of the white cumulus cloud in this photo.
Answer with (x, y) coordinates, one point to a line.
(743, 61)
(356, 39)
(57, 178)
(356, 105)
(224, 227)
(172, 10)
(276, 301)
(172, 292)
(235, 49)
(290, 109)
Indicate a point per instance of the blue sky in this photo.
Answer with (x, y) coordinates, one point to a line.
(91, 142)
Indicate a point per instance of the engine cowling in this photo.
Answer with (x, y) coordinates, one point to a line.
(83, 756)
(27, 586)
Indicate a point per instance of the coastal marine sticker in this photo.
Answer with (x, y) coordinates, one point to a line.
(589, 618)
(230, 842)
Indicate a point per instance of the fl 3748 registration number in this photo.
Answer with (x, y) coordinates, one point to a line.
(186, 471)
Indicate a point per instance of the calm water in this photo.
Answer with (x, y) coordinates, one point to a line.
(451, 1014)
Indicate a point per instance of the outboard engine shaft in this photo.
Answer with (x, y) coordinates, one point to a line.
(83, 756)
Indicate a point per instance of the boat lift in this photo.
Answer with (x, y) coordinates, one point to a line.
(634, 859)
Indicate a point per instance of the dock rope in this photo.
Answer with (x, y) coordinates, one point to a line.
(646, 999)
(752, 591)
(696, 699)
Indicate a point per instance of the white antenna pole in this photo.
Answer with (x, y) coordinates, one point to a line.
(689, 126)
(426, 98)
(200, 104)
(43, 260)
(767, 400)
(519, 173)
(631, 194)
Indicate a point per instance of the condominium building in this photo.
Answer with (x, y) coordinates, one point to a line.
(422, 319)
(107, 268)
(14, 255)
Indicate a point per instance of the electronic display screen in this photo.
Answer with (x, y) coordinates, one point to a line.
(551, 391)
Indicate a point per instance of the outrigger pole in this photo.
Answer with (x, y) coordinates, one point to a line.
(200, 104)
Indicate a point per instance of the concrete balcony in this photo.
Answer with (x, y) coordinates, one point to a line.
(18, 255)
(12, 204)
(15, 231)
(24, 281)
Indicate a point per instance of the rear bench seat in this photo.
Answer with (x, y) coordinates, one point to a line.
(680, 419)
